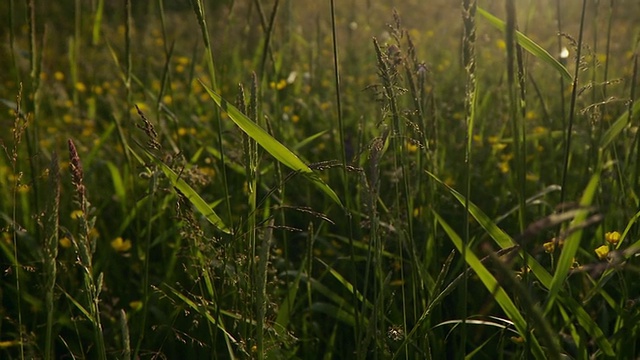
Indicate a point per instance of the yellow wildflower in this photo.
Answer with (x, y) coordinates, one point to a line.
(612, 237)
(120, 245)
(538, 130)
(135, 305)
(498, 146)
(65, 242)
(477, 139)
(411, 147)
(602, 252)
(81, 87)
(76, 214)
(549, 246)
(6, 237)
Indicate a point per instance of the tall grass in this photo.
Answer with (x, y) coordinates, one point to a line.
(364, 185)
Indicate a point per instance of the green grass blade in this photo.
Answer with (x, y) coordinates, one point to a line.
(505, 241)
(118, 181)
(285, 309)
(498, 235)
(202, 310)
(586, 322)
(335, 312)
(572, 243)
(490, 282)
(621, 122)
(193, 197)
(271, 145)
(347, 285)
(528, 44)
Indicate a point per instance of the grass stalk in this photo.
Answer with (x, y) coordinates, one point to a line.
(469, 62)
(51, 253)
(124, 332)
(261, 288)
(343, 156)
(33, 106)
(85, 247)
(632, 95)
(563, 58)
(266, 46)
(20, 124)
(97, 23)
(515, 83)
(127, 54)
(572, 106)
(199, 12)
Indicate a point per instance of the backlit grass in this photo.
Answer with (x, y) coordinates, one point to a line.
(286, 179)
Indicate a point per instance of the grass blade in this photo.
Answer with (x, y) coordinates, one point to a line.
(271, 145)
(490, 282)
(528, 44)
(498, 235)
(620, 124)
(193, 197)
(572, 243)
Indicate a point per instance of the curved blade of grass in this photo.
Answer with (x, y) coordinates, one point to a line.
(490, 282)
(271, 145)
(285, 309)
(202, 310)
(498, 235)
(118, 182)
(505, 241)
(323, 290)
(585, 320)
(528, 44)
(193, 197)
(621, 122)
(572, 243)
(346, 283)
(335, 312)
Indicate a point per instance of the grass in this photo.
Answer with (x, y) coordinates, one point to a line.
(335, 180)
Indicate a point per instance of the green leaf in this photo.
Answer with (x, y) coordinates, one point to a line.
(498, 235)
(587, 323)
(528, 44)
(621, 122)
(490, 282)
(193, 197)
(572, 242)
(271, 145)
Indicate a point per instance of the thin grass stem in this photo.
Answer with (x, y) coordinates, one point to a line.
(572, 106)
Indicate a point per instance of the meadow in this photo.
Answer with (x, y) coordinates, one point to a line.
(286, 179)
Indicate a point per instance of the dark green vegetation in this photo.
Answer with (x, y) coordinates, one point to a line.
(289, 179)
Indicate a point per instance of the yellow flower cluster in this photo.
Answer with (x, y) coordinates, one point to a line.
(120, 245)
(611, 238)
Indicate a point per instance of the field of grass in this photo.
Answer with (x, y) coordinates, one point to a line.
(319, 180)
